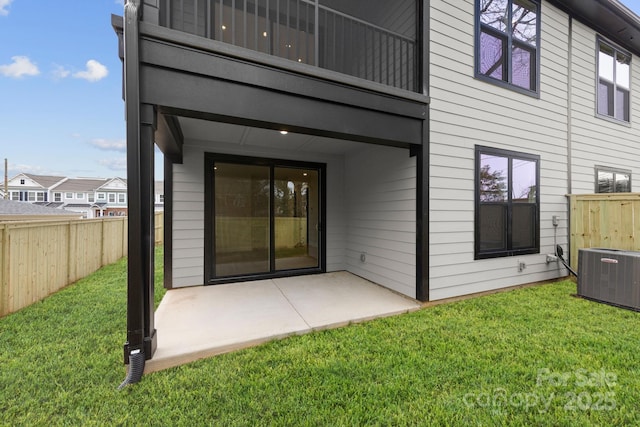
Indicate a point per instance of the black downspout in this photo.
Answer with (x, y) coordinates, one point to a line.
(423, 159)
(134, 347)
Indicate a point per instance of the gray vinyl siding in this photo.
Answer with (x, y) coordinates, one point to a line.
(595, 140)
(466, 112)
(188, 220)
(381, 203)
(188, 209)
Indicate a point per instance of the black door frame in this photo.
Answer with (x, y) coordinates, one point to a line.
(209, 211)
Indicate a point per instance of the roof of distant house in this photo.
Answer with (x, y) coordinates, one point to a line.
(44, 180)
(11, 210)
(81, 184)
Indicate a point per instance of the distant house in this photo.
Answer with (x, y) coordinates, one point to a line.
(11, 210)
(32, 188)
(79, 195)
(91, 197)
(158, 198)
(94, 197)
(115, 191)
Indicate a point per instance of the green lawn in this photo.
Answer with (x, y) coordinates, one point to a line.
(534, 356)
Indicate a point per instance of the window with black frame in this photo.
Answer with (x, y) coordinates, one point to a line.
(614, 82)
(609, 180)
(507, 203)
(507, 41)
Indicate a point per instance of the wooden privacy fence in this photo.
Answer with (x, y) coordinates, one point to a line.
(37, 258)
(605, 220)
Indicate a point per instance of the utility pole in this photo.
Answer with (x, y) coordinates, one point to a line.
(6, 179)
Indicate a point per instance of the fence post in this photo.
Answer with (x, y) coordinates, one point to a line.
(102, 251)
(4, 270)
(573, 232)
(125, 231)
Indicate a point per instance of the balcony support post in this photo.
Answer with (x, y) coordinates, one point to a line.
(140, 128)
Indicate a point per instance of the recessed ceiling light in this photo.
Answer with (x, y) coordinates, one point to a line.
(284, 132)
(224, 27)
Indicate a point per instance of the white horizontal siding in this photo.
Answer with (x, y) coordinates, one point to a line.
(188, 220)
(466, 112)
(381, 208)
(595, 140)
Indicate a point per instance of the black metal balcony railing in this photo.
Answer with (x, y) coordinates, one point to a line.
(308, 31)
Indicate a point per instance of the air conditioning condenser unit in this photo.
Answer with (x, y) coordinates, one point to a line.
(610, 276)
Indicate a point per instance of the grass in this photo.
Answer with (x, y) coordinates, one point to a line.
(534, 356)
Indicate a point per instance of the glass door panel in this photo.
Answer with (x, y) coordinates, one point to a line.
(296, 218)
(242, 219)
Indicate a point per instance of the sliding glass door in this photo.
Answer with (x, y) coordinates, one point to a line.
(264, 218)
(241, 219)
(296, 218)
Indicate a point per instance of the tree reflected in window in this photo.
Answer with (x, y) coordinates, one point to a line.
(506, 49)
(507, 203)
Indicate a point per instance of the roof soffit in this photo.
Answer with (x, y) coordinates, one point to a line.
(610, 18)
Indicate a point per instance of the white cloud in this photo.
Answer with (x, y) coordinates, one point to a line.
(110, 145)
(4, 4)
(120, 2)
(21, 66)
(95, 71)
(59, 72)
(15, 169)
(115, 164)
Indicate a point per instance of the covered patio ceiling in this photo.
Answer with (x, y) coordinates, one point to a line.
(196, 131)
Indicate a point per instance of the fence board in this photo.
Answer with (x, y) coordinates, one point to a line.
(4, 269)
(37, 258)
(610, 221)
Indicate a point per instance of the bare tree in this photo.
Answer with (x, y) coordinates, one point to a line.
(493, 187)
(523, 28)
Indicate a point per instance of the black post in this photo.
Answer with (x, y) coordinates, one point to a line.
(135, 268)
(148, 127)
(422, 218)
(141, 125)
(422, 160)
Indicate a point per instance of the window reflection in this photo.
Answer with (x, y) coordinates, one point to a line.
(494, 13)
(508, 29)
(613, 83)
(492, 56)
(605, 65)
(612, 181)
(524, 181)
(622, 70)
(623, 183)
(522, 67)
(494, 176)
(507, 203)
(524, 21)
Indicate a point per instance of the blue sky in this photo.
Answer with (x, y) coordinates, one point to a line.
(61, 108)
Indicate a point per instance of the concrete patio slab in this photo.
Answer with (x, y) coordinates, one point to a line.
(336, 299)
(198, 322)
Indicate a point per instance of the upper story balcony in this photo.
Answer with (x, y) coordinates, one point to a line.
(374, 40)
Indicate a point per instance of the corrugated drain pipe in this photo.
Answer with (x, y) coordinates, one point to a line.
(136, 368)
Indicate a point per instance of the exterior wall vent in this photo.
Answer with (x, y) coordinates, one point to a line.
(610, 276)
